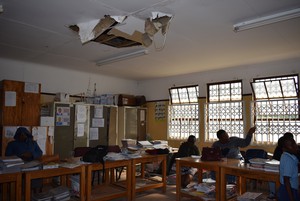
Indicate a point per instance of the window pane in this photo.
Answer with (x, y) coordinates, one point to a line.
(174, 96)
(259, 90)
(183, 121)
(213, 93)
(224, 92)
(289, 88)
(273, 89)
(236, 91)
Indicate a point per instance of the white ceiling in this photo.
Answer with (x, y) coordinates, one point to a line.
(200, 36)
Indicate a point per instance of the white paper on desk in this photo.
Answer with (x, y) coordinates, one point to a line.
(80, 130)
(10, 98)
(98, 122)
(94, 135)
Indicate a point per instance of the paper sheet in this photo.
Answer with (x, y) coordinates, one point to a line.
(94, 134)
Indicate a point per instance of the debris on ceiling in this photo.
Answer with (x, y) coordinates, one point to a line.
(123, 31)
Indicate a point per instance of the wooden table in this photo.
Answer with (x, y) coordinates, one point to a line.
(236, 168)
(15, 181)
(196, 163)
(111, 188)
(148, 183)
(63, 172)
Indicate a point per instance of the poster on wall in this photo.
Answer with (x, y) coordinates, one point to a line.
(160, 111)
(62, 116)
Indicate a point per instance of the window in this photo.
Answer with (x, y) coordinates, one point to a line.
(275, 108)
(183, 112)
(224, 109)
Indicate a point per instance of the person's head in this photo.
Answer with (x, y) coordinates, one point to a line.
(289, 135)
(191, 139)
(223, 136)
(289, 145)
(22, 134)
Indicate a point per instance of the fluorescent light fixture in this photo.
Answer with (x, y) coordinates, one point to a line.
(122, 57)
(265, 20)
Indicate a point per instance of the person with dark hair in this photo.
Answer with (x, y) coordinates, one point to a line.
(278, 150)
(27, 149)
(186, 149)
(277, 155)
(230, 145)
(288, 190)
(23, 146)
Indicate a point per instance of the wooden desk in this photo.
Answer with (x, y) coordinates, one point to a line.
(15, 181)
(110, 189)
(63, 172)
(148, 183)
(196, 163)
(236, 168)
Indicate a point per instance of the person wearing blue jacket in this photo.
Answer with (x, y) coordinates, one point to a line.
(24, 146)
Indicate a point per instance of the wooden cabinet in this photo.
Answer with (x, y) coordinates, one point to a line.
(19, 106)
(20, 103)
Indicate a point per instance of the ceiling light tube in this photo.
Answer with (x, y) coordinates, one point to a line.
(265, 20)
(122, 57)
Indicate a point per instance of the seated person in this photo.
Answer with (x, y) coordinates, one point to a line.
(230, 145)
(187, 149)
(27, 149)
(24, 146)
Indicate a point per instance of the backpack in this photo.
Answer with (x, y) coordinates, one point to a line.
(96, 155)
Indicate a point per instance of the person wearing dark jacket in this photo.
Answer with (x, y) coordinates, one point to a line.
(187, 149)
(23, 146)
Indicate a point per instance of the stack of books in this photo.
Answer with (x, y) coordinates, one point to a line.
(44, 196)
(60, 193)
(272, 166)
(257, 163)
(11, 161)
(249, 196)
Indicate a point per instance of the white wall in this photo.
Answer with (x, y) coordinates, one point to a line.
(157, 89)
(55, 80)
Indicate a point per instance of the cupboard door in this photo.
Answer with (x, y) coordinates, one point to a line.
(31, 107)
(11, 102)
(19, 106)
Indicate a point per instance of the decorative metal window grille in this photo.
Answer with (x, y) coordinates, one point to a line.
(224, 109)
(275, 110)
(183, 112)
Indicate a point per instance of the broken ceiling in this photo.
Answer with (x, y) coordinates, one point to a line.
(123, 31)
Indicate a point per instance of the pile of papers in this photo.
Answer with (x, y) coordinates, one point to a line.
(11, 161)
(264, 164)
(60, 193)
(257, 163)
(272, 166)
(249, 196)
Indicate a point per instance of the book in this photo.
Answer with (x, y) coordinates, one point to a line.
(249, 196)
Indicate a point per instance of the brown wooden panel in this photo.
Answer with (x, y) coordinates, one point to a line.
(31, 108)
(11, 115)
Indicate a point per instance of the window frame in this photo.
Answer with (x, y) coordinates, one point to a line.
(193, 102)
(229, 101)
